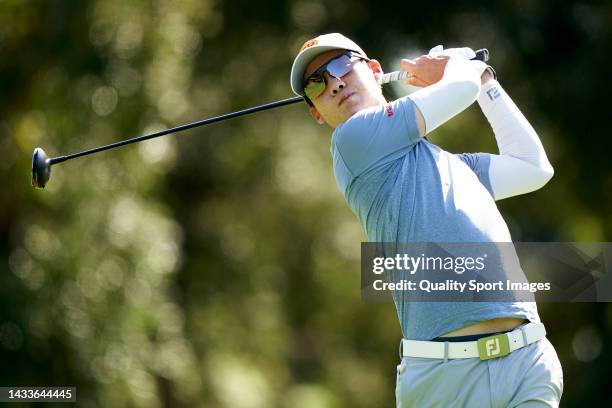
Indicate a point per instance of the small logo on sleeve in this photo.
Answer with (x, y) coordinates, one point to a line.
(389, 110)
(493, 93)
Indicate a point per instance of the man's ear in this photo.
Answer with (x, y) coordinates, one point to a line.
(316, 115)
(376, 68)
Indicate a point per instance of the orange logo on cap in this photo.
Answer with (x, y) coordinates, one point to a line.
(309, 44)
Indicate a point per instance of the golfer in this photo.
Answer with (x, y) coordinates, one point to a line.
(405, 189)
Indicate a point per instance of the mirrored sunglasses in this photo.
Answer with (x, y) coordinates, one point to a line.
(337, 67)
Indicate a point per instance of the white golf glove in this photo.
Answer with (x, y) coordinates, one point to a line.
(464, 52)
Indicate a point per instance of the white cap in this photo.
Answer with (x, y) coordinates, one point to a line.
(314, 47)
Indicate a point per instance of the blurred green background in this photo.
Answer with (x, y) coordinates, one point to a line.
(220, 267)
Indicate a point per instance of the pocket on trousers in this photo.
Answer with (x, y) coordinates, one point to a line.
(556, 370)
(557, 362)
(400, 369)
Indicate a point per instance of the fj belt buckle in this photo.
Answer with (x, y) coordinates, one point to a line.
(493, 346)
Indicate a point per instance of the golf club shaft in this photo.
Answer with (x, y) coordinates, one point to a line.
(203, 122)
(481, 54)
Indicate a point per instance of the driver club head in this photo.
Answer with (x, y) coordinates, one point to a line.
(41, 168)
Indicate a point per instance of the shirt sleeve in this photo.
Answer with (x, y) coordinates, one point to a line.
(479, 163)
(376, 135)
(522, 165)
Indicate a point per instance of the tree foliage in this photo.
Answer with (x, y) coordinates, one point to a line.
(220, 267)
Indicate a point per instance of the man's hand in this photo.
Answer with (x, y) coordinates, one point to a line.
(440, 102)
(424, 70)
(463, 52)
(429, 69)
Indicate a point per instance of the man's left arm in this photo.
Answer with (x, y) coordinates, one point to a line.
(522, 165)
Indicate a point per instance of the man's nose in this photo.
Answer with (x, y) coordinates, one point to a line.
(336, 84)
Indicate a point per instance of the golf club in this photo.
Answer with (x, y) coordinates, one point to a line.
(41, 163)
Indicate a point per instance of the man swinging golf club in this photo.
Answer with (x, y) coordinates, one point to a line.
(405, 189)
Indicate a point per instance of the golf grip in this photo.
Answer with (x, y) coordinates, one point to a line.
(481, 55)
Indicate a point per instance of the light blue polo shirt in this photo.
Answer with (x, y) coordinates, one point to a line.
(405, 189)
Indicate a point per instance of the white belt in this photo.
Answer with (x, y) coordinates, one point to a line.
(485, 348)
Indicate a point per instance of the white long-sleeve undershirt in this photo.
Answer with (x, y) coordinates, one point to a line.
(522, 165)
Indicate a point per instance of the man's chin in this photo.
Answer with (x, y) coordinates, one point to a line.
(356, 103)
(353, 109)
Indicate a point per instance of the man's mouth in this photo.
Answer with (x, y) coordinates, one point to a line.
(345, 97)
